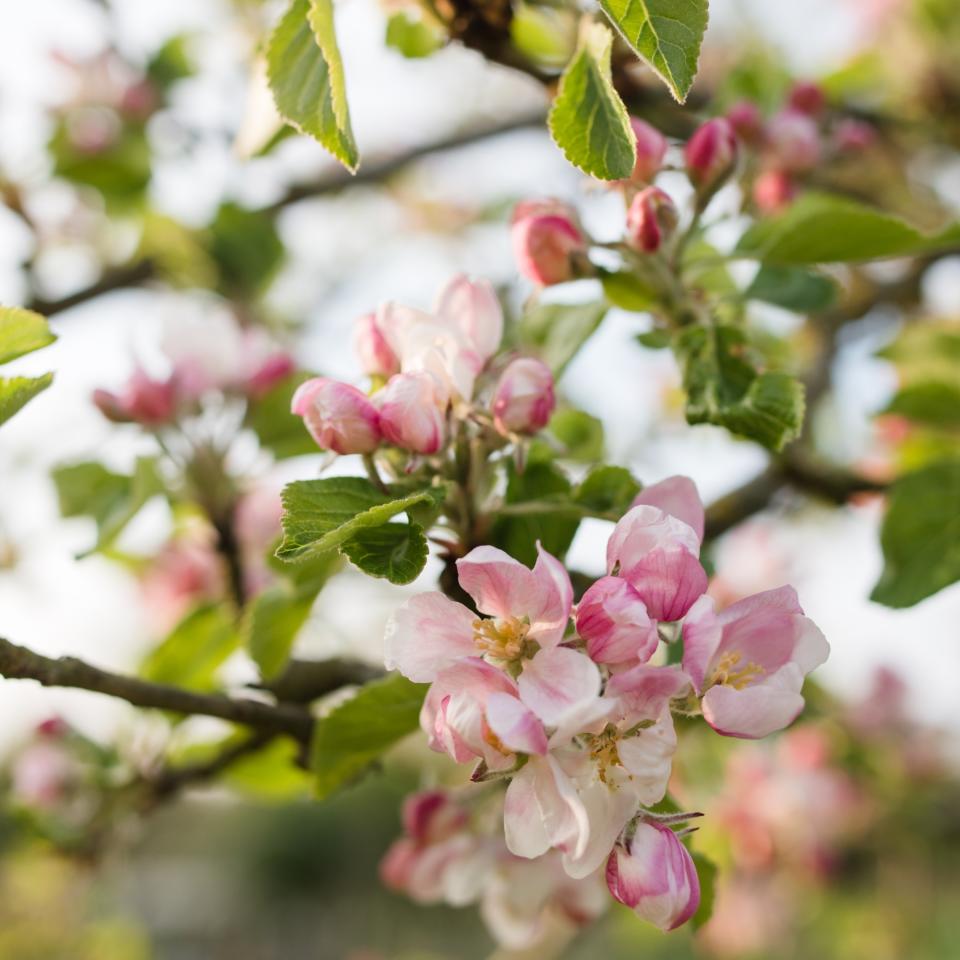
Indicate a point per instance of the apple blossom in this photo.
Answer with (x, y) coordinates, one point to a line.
(748, 661)
(792, 142)
(655, 876)
(142, 400)
(612, 618)
(651, 149)
(547, 241)
(651, 220)
(523, 400)
(413, 412)
(678, 497)
(773, 190)
(339, 417)
(472, 307)
(807, 97)
(376, 356)
(711, 155)
(747, 121)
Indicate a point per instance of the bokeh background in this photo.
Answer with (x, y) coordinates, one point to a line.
(852, 849)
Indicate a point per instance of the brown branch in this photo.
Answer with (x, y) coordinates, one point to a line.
(19, 663)
(302, 681)
(118, 278)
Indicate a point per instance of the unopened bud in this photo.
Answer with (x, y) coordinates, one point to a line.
(747, 121)
(651, 149)
(773, 191)
(793, 142)
(806, 97)
(524, 398)
(547, 242)
(339, 417)
(651, 220)
(711, 155)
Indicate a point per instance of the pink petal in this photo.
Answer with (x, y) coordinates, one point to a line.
(669, 581)
(427, 634)
(643, 529)
(557, 683)
(500, 585)
(648, 757)
(757, 710)
(515, 725)
(548, 620)
(646, 690)
(607, 812)
(678, 497)
(613, 620)
(702, 633)
(523, 824)
(763, 628)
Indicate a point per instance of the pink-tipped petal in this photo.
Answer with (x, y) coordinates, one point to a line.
(559, 682)
(756, 710)
(612, 618)
(669, 581)
(516, 726)
(702, 633)
(499, 585)
(645, 690)
(427, 634)
(678, 497)
(472, 306)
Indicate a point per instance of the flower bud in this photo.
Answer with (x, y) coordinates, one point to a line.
(651, 220)
(793, 142)
(747, 121)
(524, 399)
(275, 368)
(412, 412)
(612, 619)
(472, 307)
(655, 876)
(773, 191)
(651, 149)
(806, 97)
(143, 400)
(547, 241)
(339, 417)
(711, 155)
(375, 354)
(852, 136)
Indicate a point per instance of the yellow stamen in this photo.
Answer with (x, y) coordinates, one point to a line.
(504, 640)
(736, 678)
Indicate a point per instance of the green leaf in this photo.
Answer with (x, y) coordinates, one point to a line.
(321, 515)
(546, 35)
(792, 288)
(607, 489)
(588, 120)
(194, 650)
(920, 536)
(414, 37)
(707, 872)
(395, 551)
(271, 625)
(820, 228)
(724, 388)
(554, 528)
(655, 339)
(277, 429)
(22, 331)
(356, 733)
(17, 392)
(112, 499)
(246, 248)
(628, 291)
(933, 403)
(580, 434)
(928, 350)
(557, 331)
(666, 33)
(306, 76)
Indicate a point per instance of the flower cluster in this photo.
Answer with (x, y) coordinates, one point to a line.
(431, 366)
(569, 702)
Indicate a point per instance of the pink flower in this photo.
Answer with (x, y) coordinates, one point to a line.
(651, 149)
(339, 417)
(547, 242)
(655, 876)
(677, 496)
(749, 661)
(523, 401)
(807, 97)
(43, 774)
(852, 136)
(773, 191)
(274, 368)
(149, 402)
(651, 220)
(612, 618)
(413, 412)
(472, 307)
(747, 121)
(657, 554)
(376, 356)
(793, 142)
(711, 155)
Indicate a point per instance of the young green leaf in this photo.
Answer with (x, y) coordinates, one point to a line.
(17, 392)
(933, 403)
(666, 33)
(306, 76)
(607, 489)
(413, 36)
(22, 331)
(724, 388)
(921, 536)
(355, 733)
(557, 331)
(271, 625)
(395, 551)
(194, 650)
(580, 435)
(626, 290)
(792, 288)
(588, 120)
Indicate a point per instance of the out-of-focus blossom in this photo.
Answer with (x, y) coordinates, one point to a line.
(472, 307)
(376, 356)
(749, 661)
(412, 412)
(774, 191)
(792, 142)
(711, 155)
(748, 560)
(747, 121)
(143, 400)
(43, 772)
(186, 571)
(651, 220)
(852, 136)
(339, 417)
(655, 876)
(612, 618)
(548, 243)
(523, 400)
(257, 522)
(807, 97)
(651, 149)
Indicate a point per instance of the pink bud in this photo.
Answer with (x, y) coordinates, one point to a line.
(524, 399)
(339, 417)
(806, 97)
(376, 356)
(432, 815)
(851, 136)
(412, 412)
(274, 369)
(746, 120)
(472, 307)
(793, 142)
(655, 877)
(711, 155)
(773, 191)
(612, 618)
(651, 149)
(547, 241)
(142, 400)
(651, 220)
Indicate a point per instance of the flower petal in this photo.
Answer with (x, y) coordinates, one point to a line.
(702, 633)
(516, 726)
(648, 757)
(645, 690)
(523, 825)
(554, 599)
(607, 812)
(678, 497)
(557, 683)
(427, 634)
(757, 710)
(668, 580)
(500, 585)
